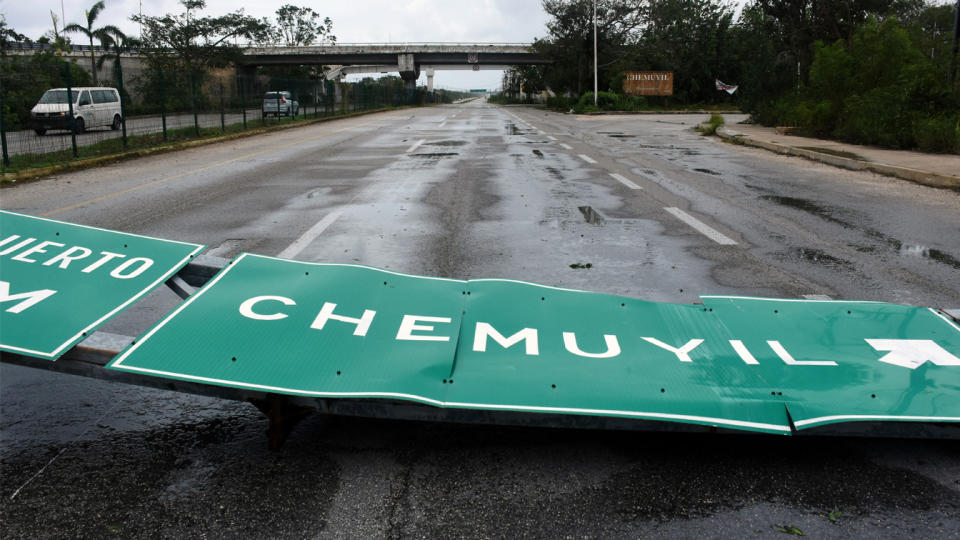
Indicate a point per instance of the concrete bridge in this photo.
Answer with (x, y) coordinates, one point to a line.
(407, 59)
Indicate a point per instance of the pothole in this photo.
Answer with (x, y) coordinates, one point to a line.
(924, 252)
(447, 143)
(820, 257)
(436, 154)
(591, 216)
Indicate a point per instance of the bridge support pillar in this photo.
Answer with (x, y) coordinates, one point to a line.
(429, 73)
(338, 90)
(409, 71)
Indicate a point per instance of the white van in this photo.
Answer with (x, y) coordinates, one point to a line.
(92, 107)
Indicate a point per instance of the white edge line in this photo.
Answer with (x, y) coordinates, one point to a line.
(948, 321)
(415, 145)
(255, 256)
(720, 296)
(136, 345)
(415, 397)
(566, 146)
(587, 158)
(701, 227)
(310, 235)
(53, 355)
(839, 417)
(534, 284)
(144, 291)
(99, 229)
(625, 181)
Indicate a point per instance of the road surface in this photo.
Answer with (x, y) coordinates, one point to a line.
(470, 191)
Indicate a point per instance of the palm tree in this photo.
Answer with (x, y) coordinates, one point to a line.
(115, 41)
(91, 32)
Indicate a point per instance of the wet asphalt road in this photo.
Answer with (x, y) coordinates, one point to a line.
(480, 191)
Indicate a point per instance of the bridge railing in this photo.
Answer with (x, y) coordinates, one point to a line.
(34, 46)
(400, 44)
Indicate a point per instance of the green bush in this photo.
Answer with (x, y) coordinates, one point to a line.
(561, 103)
(878, 89)
(609, 101)
(939, 134)
(606, 101)
(876, 117)
(710, 126)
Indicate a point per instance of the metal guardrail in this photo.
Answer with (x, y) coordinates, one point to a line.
(34, 46)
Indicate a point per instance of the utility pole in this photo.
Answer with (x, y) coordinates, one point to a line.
(956, 45)
(595, 51)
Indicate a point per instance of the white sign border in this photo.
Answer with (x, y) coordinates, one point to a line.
(53, 355)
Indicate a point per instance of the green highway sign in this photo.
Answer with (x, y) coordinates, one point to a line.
(59, 281)
(756, 364)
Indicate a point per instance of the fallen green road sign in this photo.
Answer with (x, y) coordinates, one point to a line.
(59, 281)
(341, 331)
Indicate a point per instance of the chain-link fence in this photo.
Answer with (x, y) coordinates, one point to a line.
(55, 110)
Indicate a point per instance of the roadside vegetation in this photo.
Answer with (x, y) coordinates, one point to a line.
(190, 70)
(710, 126)
(863, 71)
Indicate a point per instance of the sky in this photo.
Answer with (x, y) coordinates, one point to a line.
(356, 21)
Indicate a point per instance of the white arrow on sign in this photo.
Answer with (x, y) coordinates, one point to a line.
(913, 353)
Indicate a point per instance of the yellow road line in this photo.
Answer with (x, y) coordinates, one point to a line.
(194, 171)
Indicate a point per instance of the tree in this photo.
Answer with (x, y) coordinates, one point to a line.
(116, 42)
(91, 32)
(197, 43)
(7, 35)
(686, 37)
(569, 42)
(302, 26)
(55, 37)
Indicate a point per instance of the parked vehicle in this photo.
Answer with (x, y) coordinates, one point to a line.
(92, 107)
(280, 103)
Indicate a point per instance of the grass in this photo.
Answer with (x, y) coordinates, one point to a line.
(833, 152)
(710, 126)
(138, 144)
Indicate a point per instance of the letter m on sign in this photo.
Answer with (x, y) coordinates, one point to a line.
(26, 299)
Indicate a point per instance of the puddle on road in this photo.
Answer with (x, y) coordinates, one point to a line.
(809, 207)
(555, 173)
(924, 252)
(538, 153)
(898, 246)
(447, 143)
(435, 154)
(591, 216)
(820, 257)
(514, 130)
